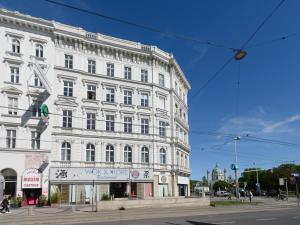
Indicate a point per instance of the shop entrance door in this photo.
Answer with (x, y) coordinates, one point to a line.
(181, 189)
(118, 190)
(32, 195)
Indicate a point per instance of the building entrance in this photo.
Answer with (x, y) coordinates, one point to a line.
(32, 195)
(10, 177)
(118, 189)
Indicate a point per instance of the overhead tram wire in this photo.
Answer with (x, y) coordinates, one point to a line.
(144, 27)
(241, 49)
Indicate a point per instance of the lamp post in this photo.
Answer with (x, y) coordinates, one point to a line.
(237, 138)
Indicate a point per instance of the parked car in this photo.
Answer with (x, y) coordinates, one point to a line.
(222, 193)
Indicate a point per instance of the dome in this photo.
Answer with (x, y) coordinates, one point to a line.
(217, 169)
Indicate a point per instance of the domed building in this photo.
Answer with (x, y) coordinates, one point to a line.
(217, 174)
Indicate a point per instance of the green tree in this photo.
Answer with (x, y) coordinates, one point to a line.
(221, 185)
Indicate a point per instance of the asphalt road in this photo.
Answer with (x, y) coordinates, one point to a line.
(280, 217)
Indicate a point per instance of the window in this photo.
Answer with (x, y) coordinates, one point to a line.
(66, 151)
(162, 128)
(127, 154)
(186, 162)
(177, 158)
(35, 140)
(176, 86)
(90, 153)
(92, 66)
(36, 108)
(145, 126)
(144, 76)
(68, 88)
(67, 118)
(145, 155)
(176, 109)
(69, 61)
(91, 92)
(127, 124)
(110, 95)
(144, 100)
(127, 73)
(39, 51)
(183, 97)
(162, 102)
(110, 123)
(15, 46)
(91, 121)
(127, 97)
(162, 156)
(161, 80)
(36, 81)
(110, 69)
(109, 153)
(14, 75)
(12, 105)
(11, 138)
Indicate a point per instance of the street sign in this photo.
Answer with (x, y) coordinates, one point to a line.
(281, 181)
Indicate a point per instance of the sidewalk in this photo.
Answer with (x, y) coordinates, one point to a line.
(36, 216)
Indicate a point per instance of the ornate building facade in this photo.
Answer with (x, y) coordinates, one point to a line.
(118, 114)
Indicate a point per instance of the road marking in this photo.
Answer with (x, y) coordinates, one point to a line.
(226, 222)
(265, 219)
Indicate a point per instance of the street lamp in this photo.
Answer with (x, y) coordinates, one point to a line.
(240, 54)
(235, 167)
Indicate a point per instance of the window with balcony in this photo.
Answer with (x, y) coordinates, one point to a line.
(145, 155)
(91, 66)
(11, 138)
(144, 126)
(127, 154)
(39, 51)
(66, 151)
(15, 47)
(128, 97)
(144, 76)
(162, 128)
(91, 92)
(91, 121)
(69, 61)
(36, 108)
(144, 100)
(12, 105)
(90, 153)
(67, 119)
(36, 81)
(110, 95)
(128, 124)
(14, 74)
(109, 153)
(161, 80)
(110, 69)
(127, 73)
(68, 88)
(162, 156)
(35, 140)
(110, 123)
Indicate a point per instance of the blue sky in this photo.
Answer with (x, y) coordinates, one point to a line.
(269, 75)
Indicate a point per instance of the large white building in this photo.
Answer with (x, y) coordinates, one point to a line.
(118, 114)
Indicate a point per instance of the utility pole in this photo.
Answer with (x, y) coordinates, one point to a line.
(237, 138)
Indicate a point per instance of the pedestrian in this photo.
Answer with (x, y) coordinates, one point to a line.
(5, 205)
(250, 196)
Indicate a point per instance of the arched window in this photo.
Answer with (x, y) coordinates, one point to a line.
(90, 153)
(145, 155)
(66, 151)
(163, 156)
(15, 46)
(39, 50)
(127, 154)
(109, 153)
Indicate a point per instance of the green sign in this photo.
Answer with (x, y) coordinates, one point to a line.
(45, 110)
